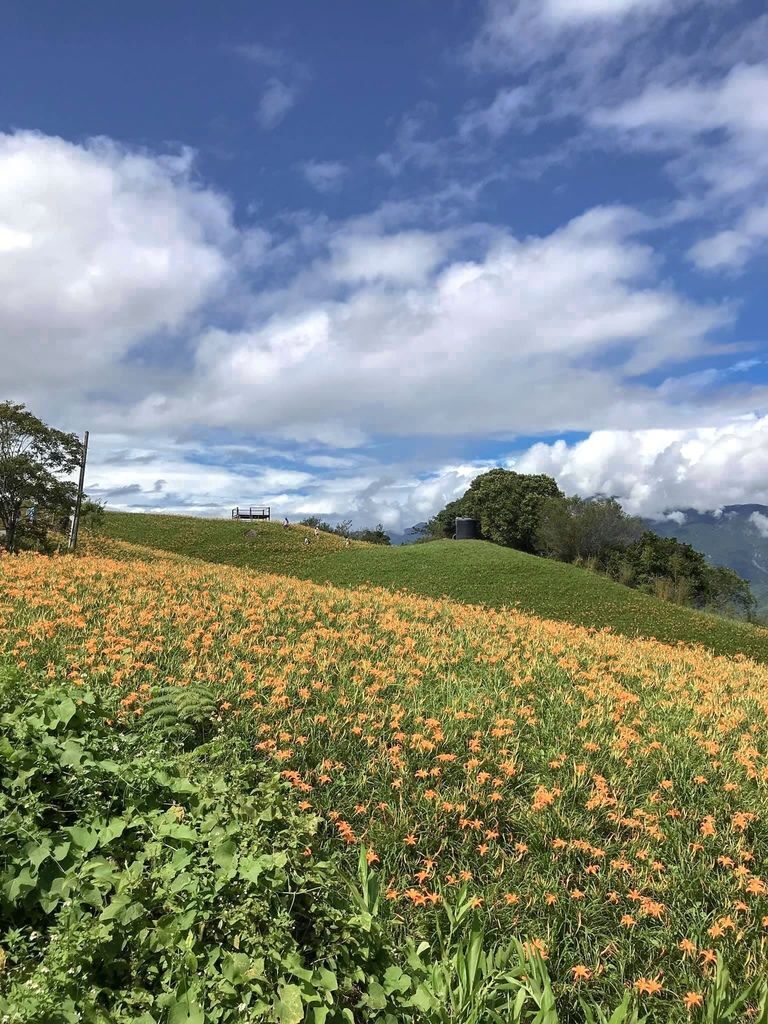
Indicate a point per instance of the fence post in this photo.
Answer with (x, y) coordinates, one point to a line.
(78, 504)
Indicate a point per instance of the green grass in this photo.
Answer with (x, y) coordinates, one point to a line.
(473, 572)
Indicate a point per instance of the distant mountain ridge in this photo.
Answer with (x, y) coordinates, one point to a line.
(734, 535)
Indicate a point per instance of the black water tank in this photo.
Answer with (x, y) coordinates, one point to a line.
(466, 529)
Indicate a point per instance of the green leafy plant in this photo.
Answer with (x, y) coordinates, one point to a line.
(184, 715)
(135, 886)
(726, 1005)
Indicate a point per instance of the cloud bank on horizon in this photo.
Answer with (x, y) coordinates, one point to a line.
(546, 248)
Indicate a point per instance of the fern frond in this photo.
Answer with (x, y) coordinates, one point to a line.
(185, 716)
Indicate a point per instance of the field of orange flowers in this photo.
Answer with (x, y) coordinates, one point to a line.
(603, 799)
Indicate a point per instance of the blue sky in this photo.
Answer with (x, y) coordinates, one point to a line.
(342, 257)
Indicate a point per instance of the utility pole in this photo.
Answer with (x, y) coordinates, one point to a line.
(79, 502)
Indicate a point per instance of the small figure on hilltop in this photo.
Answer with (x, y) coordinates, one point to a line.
(317, 531)
(286, 524)
(346, 542)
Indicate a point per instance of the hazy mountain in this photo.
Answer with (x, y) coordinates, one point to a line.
(734, 535)
(408, 536)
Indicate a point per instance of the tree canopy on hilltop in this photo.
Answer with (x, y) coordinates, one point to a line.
(507, 505)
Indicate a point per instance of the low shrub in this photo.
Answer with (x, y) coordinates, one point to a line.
(140, 886)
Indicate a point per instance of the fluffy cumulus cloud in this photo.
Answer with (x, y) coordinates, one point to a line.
(652, 471)
(536, 334)
(129, 304)
(208, 480)
(405, 257)
(101, 249)
(388, 332)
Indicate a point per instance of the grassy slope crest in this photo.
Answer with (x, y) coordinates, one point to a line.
(472, 572)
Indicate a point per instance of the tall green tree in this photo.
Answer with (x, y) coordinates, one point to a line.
(506, 504)
(33, 459)
(584, 528)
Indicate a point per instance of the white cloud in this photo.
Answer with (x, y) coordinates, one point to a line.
(115, 255)
(497, 118)
(589, 10)
(732, 248)
(638, 74)
(568, 10)
(663, 113)
(715, 131)
(651, 471)
(676, 517)
(405, 257)
(264, 56)
(276, 100)
(102, 249)
(280, 92)
(170, 476)
(324, 175)
(167, 476)
(419, 343)
(516, 34)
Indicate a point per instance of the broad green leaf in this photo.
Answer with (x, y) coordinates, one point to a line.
(377, 997)
(292, 965)
(71, 754)
(60, 851)
(175, 830)
(186, 1010)
(180, 882)
(83, 837)
(290, 1007)
(37, 853)
(423, 999)
(225, 854)
(64, 712)
(113, 830)
(326, 979)
(22, 884)
(395, 980)
(115, 908)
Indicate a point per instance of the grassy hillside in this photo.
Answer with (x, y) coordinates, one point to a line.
(473, 572)
(602, 799)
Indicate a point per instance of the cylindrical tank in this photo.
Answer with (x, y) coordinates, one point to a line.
(466, 528)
